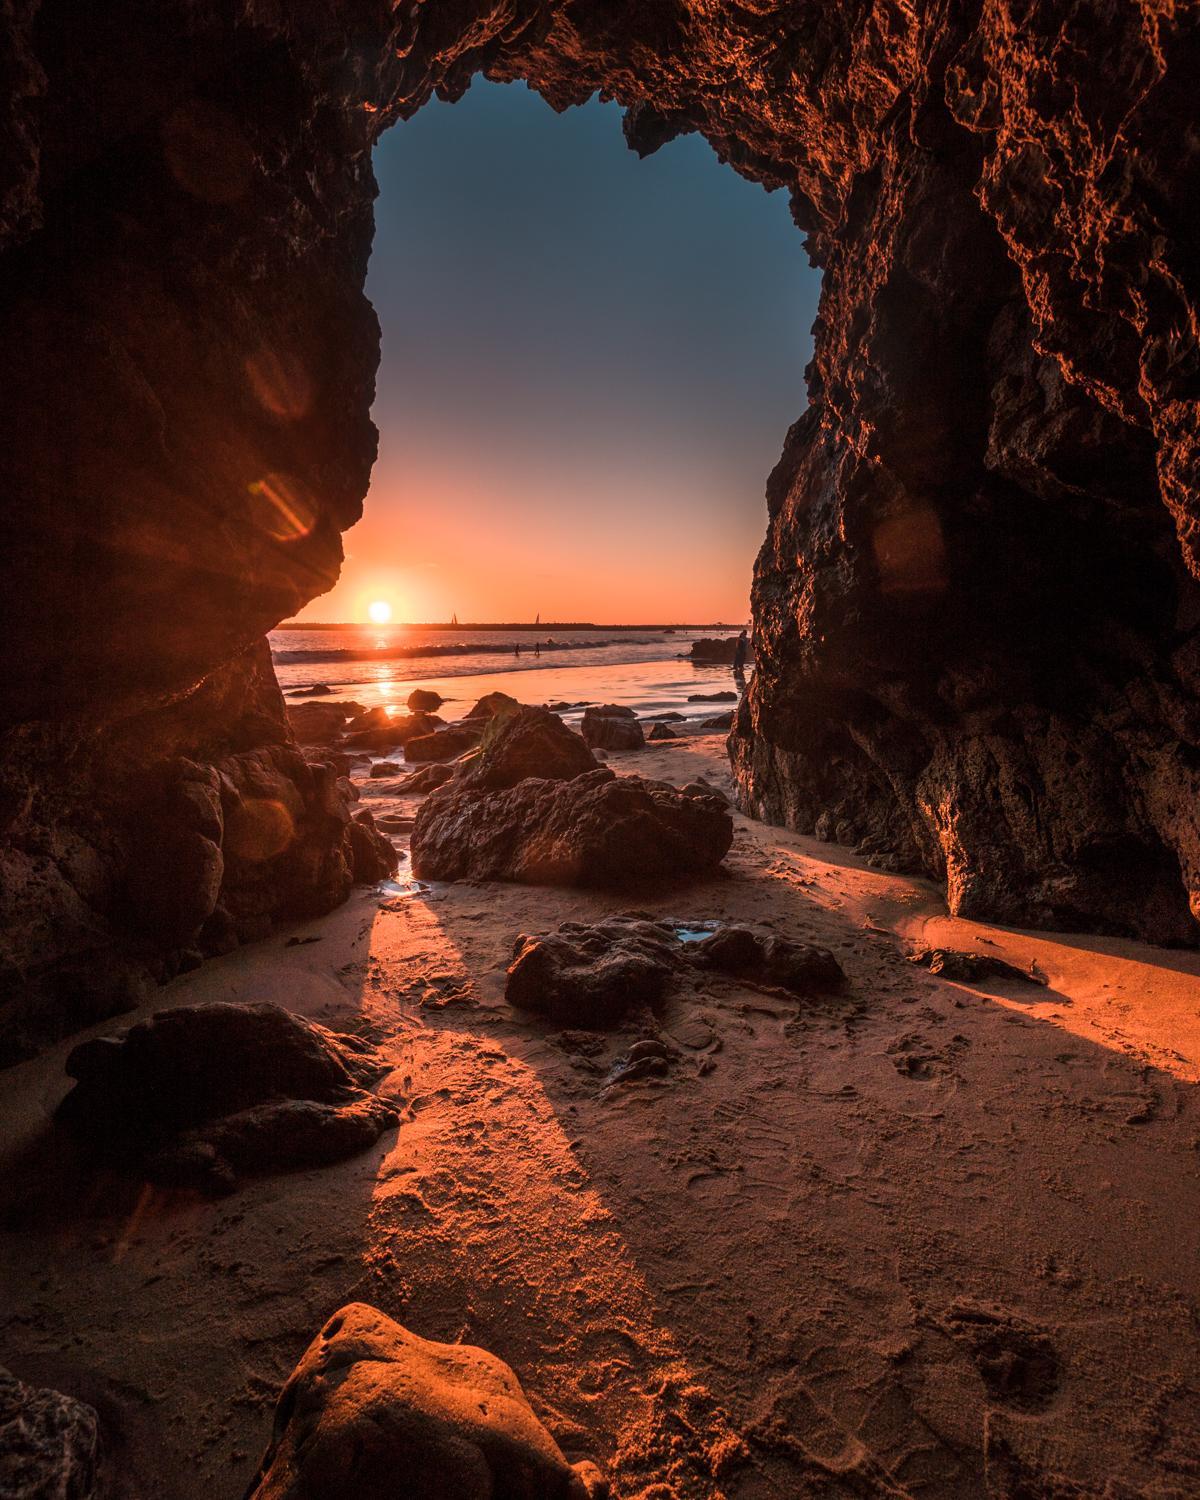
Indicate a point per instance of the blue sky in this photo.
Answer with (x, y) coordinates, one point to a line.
(589, 365)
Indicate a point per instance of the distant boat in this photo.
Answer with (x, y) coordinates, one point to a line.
(537, 619)
(454, 619)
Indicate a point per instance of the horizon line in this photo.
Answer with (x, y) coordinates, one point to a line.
(503, 625)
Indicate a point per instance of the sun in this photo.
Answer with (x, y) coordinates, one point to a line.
(380, 612)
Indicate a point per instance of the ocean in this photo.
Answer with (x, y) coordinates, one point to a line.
(648, 671)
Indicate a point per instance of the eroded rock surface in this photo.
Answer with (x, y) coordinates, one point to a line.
(598, 829)
(612, 727)
(49, 1444)
(199, 1094)
(529, 742)
(581, 975)
(374, 1411)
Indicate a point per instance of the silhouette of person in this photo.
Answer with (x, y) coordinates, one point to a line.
(739, 656)
(537, 648)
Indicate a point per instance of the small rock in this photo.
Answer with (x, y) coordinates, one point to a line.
(372, 1412)
(49, 1443)
(612, 727)
(424, 701)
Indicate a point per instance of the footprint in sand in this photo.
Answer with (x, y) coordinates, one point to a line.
(1016, 1360)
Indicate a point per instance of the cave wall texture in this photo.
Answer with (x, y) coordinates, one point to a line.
(975, 610)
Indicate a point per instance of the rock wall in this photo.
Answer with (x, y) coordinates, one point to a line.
(975, 608)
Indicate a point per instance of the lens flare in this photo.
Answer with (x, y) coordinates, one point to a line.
(280, 506)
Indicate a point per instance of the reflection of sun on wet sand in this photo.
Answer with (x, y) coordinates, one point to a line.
(918, 1238)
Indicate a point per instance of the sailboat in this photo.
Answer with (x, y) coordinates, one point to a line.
(537, 619)
(454, 619)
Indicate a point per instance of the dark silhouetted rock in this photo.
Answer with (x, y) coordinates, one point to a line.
(612, 728)
(49, 1444)
(721, 721)
(797, 967)
(384, 768)
(424, 701)
(711, 649)
(531, 742)
(970, 968)
(727, 697)
(701, 788)
(671, 717)
(318, 690)
(662, 732)
(443, 744)
(372, 1412)
(598, 829)
(199, 1094)
(590, 975)
(373, 857)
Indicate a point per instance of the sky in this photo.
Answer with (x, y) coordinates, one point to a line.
(589, 365)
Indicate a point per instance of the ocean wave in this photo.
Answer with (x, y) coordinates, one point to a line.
(457, 648)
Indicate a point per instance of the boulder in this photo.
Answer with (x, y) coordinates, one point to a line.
(424, 701)
(316, 723)
(443, 744)
(727, 697)
(595, 830)
(612, 728)
(372, 856)
(381, 732)
(796, 967)
(428, 777)
(701, 788)
(710, 649)
(721, 721)
(661, 732)
(384, 768)
(199, 1094)
(318, 690)
(590, 975)
(531, 742)
(671, 717)
(492, 704)
(49, 1443)
(373, 1412)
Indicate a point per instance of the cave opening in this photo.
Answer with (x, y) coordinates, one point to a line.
(719, 1112)
(588, 361)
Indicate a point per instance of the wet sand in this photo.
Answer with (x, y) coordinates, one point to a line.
(920, 1239)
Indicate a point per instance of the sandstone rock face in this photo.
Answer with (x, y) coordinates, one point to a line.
(598, 829)
(198, 1094)
(49, 1444)
(374, 1411)
(975, 610)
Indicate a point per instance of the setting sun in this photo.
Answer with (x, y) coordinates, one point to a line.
(380, 612)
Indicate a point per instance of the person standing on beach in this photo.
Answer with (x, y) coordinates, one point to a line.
(739, 655)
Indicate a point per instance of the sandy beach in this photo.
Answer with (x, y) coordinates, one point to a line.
(921, 1238)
